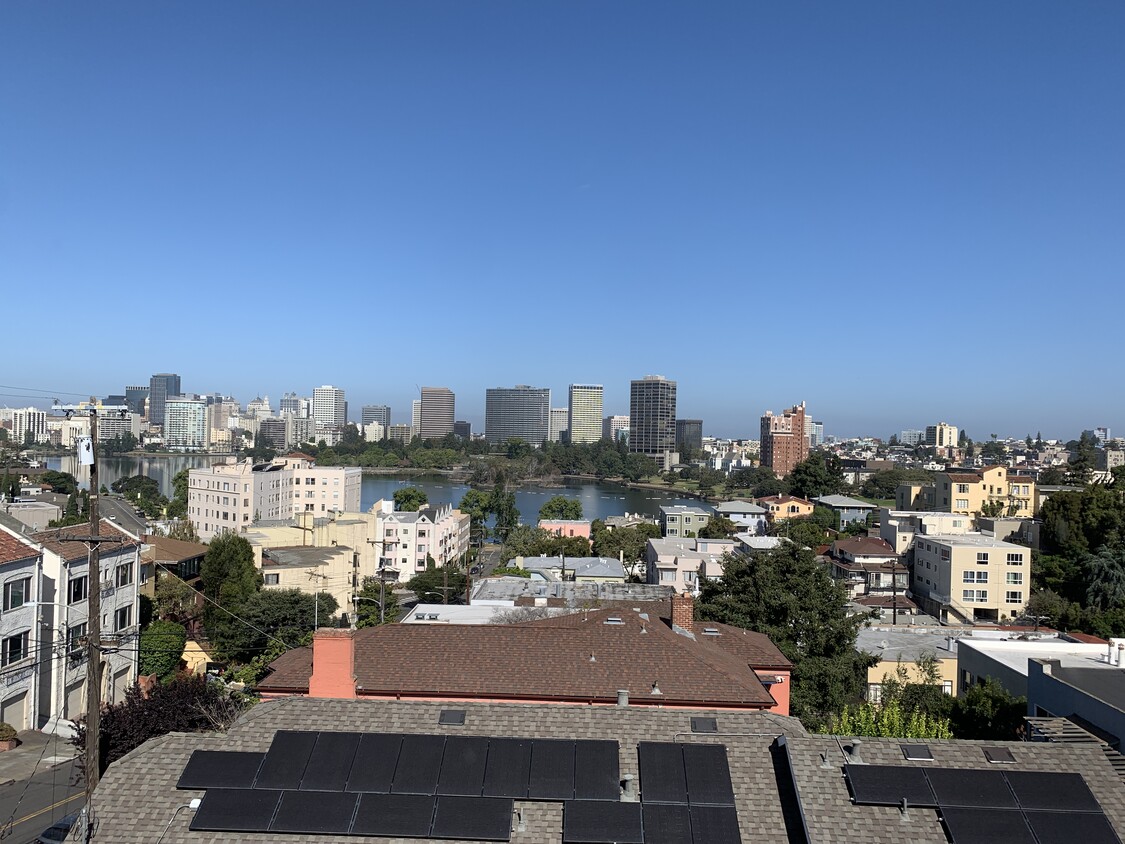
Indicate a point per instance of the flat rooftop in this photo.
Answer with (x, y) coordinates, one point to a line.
(1015, 653)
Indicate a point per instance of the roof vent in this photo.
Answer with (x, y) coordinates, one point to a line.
(656, 688)
(710, 631)
(916, 753)
(613, 619)
(452, 717)
(999, 755)
(432, 616)
(419, 616)
(704, 725)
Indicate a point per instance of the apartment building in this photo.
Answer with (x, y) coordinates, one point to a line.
(785, 507)
(652, 417)
(783, 441)
(411, 538)
(615, 428)
(186, 424)
(869, 568)
(684, 562)
(436, 412)
(558, 430)
(941, 435)
(232, 495)
(970, 578)
(683, 520)
(329, 407)
(900, 528)
(21, 563)
(584, 413)
(977, 491)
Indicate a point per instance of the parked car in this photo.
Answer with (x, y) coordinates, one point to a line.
(59, 830)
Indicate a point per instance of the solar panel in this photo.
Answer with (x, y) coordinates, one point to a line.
(452, 717)
(327, 812)
(714, 825)
(1052, 791)
(391, 815)
(373, 767)
(971, 787)
(1068, 827)
(666, 823)
(236, 810)
(508, 768)
(474, 818)
(916, 753)
(330, 762)
(285, 762)
(887, 785)
(662, 772)
(704, 725)
(220, 769)
(552, 770)
(419, 763)
(708, 775)
(986, 826)
(462, 767)
(601, 822)
(597, 770)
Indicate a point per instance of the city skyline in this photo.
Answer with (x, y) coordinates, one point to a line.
(821, 181)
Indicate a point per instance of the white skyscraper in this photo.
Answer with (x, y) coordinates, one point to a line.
(559, 417)
(584, 414)
(328, 407)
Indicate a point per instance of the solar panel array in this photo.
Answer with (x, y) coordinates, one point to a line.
(983, 806)
(395, 784)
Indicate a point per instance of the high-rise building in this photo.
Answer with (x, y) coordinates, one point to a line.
(29, 423)
(377, 413)
(689, 435)
(464, 430)
(135, 399)
(783, 442)
(272, 432)
(584, 413)
(558, 430)
(296, 405)
(652, 416)
(615, 428)
(186, 425)
(911, 437)
(437, 413)
(160, 387)
(814, 431)
(941, 435)
(520, 411)
(329, 409)
(259, 406)
(415, 417)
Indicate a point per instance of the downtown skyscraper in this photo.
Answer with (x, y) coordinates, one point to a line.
(436, 413)
(584, 414)
(160, 387)
(652, 416)
(520, 411)
(329, 410)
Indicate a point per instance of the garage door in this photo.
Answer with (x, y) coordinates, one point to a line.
(121, 682)
(14, 711)
(75, 700)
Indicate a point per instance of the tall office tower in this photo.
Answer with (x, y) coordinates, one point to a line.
(584, 413)
(437, 413)
(415, 417)
(464, 430)
(783, 441)
(328, 407)
(911, 437)
(814, 431)
(272, 432)
(160, 387)
(652, 416)
(293, 404)
(135, 399)
(689, 434)
(941, 435)
(615, 428)
(519, 411)
(186, 424)
(380, 414)
(558, 430)
(259, 406)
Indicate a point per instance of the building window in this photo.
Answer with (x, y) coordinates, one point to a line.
(975, 577)
(14, 648)
(978, 596)
(124, 575)
(271, 579)
(982, 558)
(667, 575)
(122, 618)
(77, 589)
(1015, 559)
(1013, 596)
(74, 636)
(962, 504)
(1015, 578)
(963, 489)
(947, 686)
(16, 593)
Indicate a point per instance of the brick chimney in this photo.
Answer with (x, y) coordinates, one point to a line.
(333, 673)
(683, 612)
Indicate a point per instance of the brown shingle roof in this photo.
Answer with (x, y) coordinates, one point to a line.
(167, 549)
(13, 549)
(582, 659)
(863, 546)
(53, 540)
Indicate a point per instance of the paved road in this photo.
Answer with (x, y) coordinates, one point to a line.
(51, 794)
(120, 511)
(488, 559)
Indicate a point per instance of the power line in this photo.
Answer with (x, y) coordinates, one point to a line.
(49, 393)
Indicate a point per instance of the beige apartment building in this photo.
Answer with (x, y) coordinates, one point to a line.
(970, 578)
(968, 491)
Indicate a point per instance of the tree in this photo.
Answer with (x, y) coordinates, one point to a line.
(889, 719)
(627, 543)
(988, 712)
(790, 597)
(187, 704)
(183, 530)
(1052, 476)
(410, 498)
(367, 609)
(62, 482)
(271, 614)
(161, 647)
(819, 474)
(1083, 453)
(503, 504)
(174, 599)
(448, 582)
(228, 578)
(1075, 523)
(474, 504)
(1105, 574)
(517, 448)
(718, 527)
(561, 507)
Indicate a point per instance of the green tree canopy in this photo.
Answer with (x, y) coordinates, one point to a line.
(62, 482)
(228, 578)
(161, 647)
(367, 608)
(718, 527)
(447, 582)
(1076, 523)
(624, 542)
(475, 504)
(790, 597)
(410, 498)
(988, 712)
(561, 507)
(285, 614)
(820, 473)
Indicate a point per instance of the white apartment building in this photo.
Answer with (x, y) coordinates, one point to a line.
(615, 428)
(186, 423)
(682, 563)
(941, 435)
(64, 620)
(232, 495)
(901, 528)
(971, 577)
(329, 409)
(27, 420)
(408, 538)
(20, 564)
(584, 413)
(112, 426)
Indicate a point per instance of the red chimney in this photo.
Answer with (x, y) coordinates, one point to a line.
(333, 673)
(683, 611)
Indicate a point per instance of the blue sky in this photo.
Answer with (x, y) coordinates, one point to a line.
(896, 212)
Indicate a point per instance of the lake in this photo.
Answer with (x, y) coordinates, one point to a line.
(599, 500)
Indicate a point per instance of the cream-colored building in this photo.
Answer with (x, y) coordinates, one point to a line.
(970, 492)
(970, 577)
(896, 648)
(900, 528)
(941, 435)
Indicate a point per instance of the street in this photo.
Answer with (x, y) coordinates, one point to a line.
(53, 793)
(121, 512)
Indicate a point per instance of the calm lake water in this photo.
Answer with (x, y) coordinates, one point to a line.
(599, 500)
